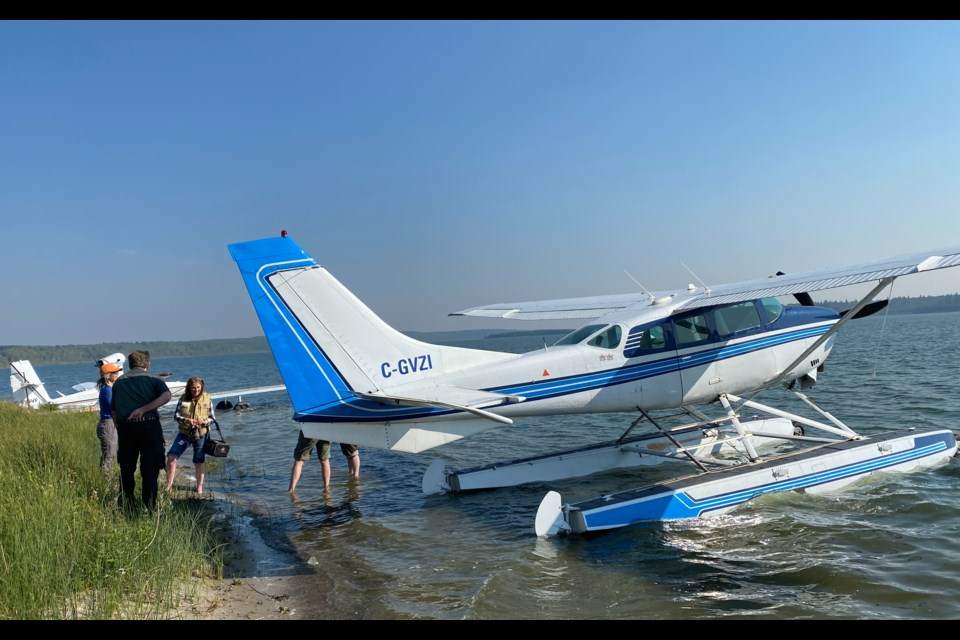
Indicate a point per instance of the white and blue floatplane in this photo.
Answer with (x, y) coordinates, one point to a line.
(30, 392)
(352, 378)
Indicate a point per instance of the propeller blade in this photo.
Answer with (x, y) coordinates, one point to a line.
(868, 310)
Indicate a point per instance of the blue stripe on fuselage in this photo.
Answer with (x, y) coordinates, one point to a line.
(632, 373)
(558, 387)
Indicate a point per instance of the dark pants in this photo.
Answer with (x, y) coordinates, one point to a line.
(141, 441)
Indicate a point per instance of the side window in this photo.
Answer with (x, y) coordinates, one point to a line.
(645, 339)
(608, 339)
(691, 329)
(736, 317)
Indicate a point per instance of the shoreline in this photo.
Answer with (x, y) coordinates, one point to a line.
(260, 581)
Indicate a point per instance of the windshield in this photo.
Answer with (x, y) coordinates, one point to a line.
(609, 338)
(773, 308)
(580, 334)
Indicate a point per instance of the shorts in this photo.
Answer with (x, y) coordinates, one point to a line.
(305, 445)
(180, 444)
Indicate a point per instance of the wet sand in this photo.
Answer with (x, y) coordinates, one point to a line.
(259, 581)
(264, 578)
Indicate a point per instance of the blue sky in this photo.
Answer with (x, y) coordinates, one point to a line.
(434, 166)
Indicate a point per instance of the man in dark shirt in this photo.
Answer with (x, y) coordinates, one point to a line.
(136, 397)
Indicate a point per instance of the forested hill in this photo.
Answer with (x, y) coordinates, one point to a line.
(66, 354)
(70, 353)
(921, 304)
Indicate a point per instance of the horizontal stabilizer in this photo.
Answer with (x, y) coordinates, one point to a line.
(449, 397)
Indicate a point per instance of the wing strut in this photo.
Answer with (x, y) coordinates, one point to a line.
(849, 315)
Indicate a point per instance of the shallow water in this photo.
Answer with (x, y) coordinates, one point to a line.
(884, 548)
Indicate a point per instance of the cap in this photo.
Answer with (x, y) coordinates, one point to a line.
(109, 368)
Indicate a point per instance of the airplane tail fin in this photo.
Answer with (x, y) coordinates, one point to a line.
(28, 390)
(330, 347)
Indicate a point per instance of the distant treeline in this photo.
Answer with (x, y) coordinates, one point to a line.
(900, 306)
(71, 353)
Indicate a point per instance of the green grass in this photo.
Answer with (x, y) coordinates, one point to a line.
(67, 551)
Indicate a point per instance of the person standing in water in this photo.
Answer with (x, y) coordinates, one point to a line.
(194, 415)
(301, 453)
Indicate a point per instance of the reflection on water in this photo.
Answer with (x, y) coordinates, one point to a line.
(885, 548)
(313, 515)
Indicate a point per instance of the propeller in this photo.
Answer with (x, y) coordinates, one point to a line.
(868, 310)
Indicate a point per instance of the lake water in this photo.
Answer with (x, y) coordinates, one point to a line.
(884, 548)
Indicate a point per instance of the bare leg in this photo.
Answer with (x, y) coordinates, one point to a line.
(295, 474)
(171, 471)
(353, 462)
(201, 472)
(325, 467)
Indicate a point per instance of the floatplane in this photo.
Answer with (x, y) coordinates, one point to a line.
(29, 391)
(352, 378)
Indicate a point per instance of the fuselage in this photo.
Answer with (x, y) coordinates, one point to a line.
(648, 360)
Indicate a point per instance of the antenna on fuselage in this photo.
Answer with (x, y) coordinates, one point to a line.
(638, 283)
(705, 287)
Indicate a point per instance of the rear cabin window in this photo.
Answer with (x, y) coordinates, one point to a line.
(735, 318)
(643, 340)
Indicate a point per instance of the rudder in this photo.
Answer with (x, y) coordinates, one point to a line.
(297, 355)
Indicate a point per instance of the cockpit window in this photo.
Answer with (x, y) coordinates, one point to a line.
(580, 334)
(609, 338)
(772, 309)
(737, 317)
(691, 329)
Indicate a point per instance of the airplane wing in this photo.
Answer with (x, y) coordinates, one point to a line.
(561, 309)
(177, 390)
(829, 278)
(249, 391)
(772, 286)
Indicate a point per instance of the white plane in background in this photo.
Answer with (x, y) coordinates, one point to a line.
(29, 391)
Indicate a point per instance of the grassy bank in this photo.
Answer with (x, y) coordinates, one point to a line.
(66, 551)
